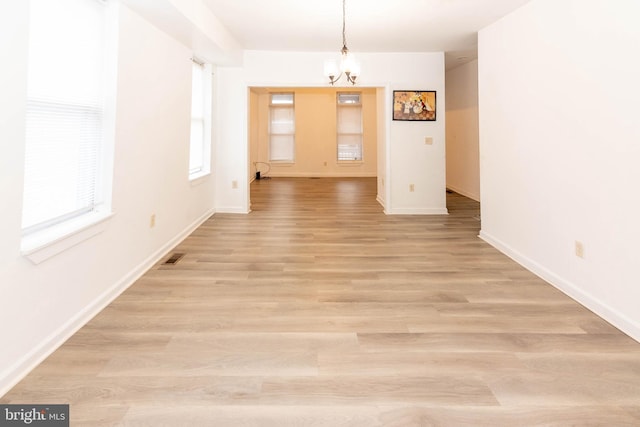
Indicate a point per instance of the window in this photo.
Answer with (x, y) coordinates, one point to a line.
(200, 141)
(282, 127)
(349, 125)
(66, 176)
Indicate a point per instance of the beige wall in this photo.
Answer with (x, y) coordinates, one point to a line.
(254, 121)
(463, 154)
(315, 115)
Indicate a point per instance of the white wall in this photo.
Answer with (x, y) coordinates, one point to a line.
(41, 305)
(407, 158)
(232, 150)
(463, 157)
(193, 24)
(559, 145)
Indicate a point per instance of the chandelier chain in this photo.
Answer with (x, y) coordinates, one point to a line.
(344, 32)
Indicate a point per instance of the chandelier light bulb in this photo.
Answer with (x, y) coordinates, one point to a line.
(348, 64)
(331, 68)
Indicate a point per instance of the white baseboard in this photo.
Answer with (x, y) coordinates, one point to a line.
(411, 211)
(232, 210)
(608, 313)
(15, 373)
(380, 200)
(274, 174)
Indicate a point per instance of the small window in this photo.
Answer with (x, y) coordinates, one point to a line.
(67, 132)
(282, 99)
(348, 98)
(349, 126)
(282, 128)
(200, 140)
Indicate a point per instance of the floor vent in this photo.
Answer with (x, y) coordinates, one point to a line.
(173, 259)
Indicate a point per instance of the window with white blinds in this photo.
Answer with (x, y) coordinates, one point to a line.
(282, 127)
(349, 126)
(65, 112)
(200, 144)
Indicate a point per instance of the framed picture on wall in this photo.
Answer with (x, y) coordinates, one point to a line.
(414, 105)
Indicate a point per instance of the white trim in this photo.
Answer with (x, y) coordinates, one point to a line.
(47, 243)
(207, 122)
(608, 313)
(201, 178)
(15, 373)
(349, 163)
(273, 173)
(419, 211)
(233, 210)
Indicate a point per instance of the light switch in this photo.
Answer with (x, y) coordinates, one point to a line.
(428, 140)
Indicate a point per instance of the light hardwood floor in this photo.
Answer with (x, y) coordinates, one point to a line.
(318, 310)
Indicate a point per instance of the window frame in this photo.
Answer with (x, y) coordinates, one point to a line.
(204, 168)
(285, 105)
(47, 238)
(349, 105)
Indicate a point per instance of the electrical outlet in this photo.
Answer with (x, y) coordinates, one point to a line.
(579, 249)
(234, 184)
(152, 221)
(411, 188)
(428, 140)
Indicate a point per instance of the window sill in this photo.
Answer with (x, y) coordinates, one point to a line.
(39, 247)
(350, 162)
(199, 178)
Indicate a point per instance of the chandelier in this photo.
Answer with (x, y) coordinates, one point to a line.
(348, 65)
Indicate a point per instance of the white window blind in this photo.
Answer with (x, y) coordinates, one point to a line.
(198, 152)
(349, 127)
(65, 111)
(282, 127)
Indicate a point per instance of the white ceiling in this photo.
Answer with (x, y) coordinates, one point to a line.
(449, 26)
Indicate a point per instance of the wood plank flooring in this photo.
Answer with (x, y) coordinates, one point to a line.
(318, 310)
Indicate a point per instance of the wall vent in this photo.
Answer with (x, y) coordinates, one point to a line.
(173, 259)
